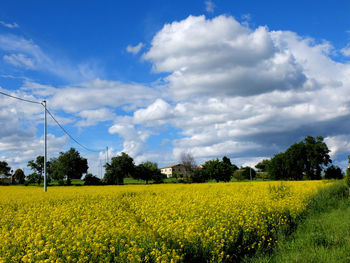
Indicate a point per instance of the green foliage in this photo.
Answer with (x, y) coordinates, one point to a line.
(120, 167)
(304, 159)
(4, 168)
(34, 178)
(148, 171)
(69, 165)
(238, 175)
(219, 171)
(262, 166)
(19, 175)
(37, 167)
(90, 179)
(334, 172)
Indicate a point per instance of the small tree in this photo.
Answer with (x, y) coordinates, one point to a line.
(69, 165)
(37, 167)
(19, 176)
(219, 171)
(148, 171)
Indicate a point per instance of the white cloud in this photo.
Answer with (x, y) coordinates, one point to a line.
(9, 25)
(338, 144)
(134, 138)
(135, 49)
(201, 54)
(346, 51)
(93, 117)
(245, 92)
(19, 60)
(156, 112)
(209, 6)
(96, 94)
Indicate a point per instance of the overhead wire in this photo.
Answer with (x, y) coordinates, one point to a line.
(70, 136)
(14, 97)
(51, 115)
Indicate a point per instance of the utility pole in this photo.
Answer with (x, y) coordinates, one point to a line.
(45, 151)
(107, 155)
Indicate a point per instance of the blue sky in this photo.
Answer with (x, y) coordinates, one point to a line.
(244, 79)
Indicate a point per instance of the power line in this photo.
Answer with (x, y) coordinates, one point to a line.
(70, 136)
(14, 97)
(63, 129)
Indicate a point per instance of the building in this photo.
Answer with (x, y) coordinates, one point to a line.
(4, 179)
(171, 169)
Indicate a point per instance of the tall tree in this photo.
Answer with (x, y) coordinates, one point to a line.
(304, 159)
(19, 175)
(120, 167)
(317, 154)
(4, 168)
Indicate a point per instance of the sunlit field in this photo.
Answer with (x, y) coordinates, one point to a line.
(217, 222)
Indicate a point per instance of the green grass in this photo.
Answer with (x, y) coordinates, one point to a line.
(323, 234)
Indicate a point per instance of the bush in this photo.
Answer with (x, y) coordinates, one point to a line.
(92, 180)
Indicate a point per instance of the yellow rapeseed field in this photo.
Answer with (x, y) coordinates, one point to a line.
(148, 223)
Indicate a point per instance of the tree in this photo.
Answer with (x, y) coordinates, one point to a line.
(262, 166)
(277, 167)
(37, 167)
(317, 156)
(333, 172)
(188, 166)
(69, 165)
(120, 167)
(4, 168)
(304, 159)
(219, 171)
(148, 171)
(19, 175)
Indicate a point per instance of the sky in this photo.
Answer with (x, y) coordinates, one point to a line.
(154, 79)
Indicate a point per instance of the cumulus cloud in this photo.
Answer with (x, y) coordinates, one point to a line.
(220, 57)
(134, 49)
(158, 112)
(245, 92)
(134, 138)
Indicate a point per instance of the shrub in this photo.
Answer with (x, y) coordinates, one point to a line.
(92, 180)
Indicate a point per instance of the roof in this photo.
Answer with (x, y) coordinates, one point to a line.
(171, 166)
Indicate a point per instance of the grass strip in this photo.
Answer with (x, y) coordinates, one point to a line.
(322, 235)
